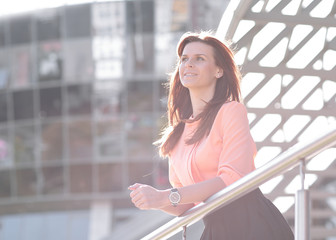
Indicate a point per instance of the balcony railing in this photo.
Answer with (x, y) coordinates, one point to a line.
(294, 156)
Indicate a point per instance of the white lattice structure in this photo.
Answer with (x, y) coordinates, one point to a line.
(287, 50)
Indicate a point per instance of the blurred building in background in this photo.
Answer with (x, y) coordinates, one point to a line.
(82, 99)
(81, 102)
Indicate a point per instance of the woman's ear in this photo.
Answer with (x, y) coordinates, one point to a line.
(219, 73)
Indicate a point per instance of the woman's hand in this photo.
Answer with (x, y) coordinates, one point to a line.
(146, 197)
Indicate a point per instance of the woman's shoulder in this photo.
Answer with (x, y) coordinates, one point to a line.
(231, 107)
(231, 112)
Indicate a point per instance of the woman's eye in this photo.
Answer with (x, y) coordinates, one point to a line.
(200, 59)
(184, 59)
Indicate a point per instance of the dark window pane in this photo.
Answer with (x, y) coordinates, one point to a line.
(110, 177)
(141, 54)
(24, 143)
(48, 25)
(23, 104)
(21, 66)
(53, 180)
(3, 33)
(140, 16)
(80, 140)
(5, 184)
(4, 68)
(140, 136)
(109, 98)
(3, 107)
(20, 29)
(111, 137)
(50, 63)
(51, 141)
(78, 21)
(26, 180)
(140, 96)
(79, 99)
(141, 172)
(79, 65)
(81, 178)
(5, 148)
(50, 102)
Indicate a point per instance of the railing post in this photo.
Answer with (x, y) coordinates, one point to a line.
(184, 234)
(302, 209)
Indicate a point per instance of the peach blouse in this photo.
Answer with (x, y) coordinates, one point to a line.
(228, 151)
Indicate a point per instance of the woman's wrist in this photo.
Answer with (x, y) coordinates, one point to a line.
(164, 198)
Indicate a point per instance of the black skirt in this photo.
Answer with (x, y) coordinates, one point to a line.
(252, 217)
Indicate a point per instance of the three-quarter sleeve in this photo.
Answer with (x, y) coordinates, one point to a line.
(238, 148)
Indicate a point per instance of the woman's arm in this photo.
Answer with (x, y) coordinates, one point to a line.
(147, 197)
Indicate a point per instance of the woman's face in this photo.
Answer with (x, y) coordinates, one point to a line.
(198, 70)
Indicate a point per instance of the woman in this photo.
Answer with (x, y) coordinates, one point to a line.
(209, 146)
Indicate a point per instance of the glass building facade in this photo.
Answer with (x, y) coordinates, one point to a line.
(82, 99)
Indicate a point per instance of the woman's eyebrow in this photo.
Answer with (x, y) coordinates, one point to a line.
(197, 54)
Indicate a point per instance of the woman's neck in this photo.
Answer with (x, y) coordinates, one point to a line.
(198, 102)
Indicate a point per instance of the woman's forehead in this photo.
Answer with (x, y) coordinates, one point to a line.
(197, 48)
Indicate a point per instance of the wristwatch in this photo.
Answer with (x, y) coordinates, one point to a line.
(174, 197)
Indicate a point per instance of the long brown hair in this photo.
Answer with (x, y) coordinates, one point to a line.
(179, 102)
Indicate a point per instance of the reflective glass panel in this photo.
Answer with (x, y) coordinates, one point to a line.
(140, 16)
(3, 107)
(5, 184)
(109, 18)
(140, 135)
(140, 96)
(21, 66)
(24, 143)
(78, 21)
(109, 53)
(109, 98)
(26, 181)
(172, 16)
(23, 103)
(79, 64)
(81, 178)
(3, 34)
(50, 102)
(48, 24)
(53, 180)
(79, 99)
(140, 58)
(51, 141)
(165, 54)
(6, 159)
(80, 140)
(111, 137)
(20, 29)
(4, 68)
(110, 177)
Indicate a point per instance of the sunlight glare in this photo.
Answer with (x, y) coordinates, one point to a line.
(323, 160)
(295, 184)
(284, 203)
(269, 186)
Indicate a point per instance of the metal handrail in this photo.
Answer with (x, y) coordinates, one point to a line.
(288, 159)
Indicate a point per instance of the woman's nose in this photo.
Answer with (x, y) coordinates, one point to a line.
(190, 62)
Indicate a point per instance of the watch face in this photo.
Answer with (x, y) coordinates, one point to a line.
(174, 197)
